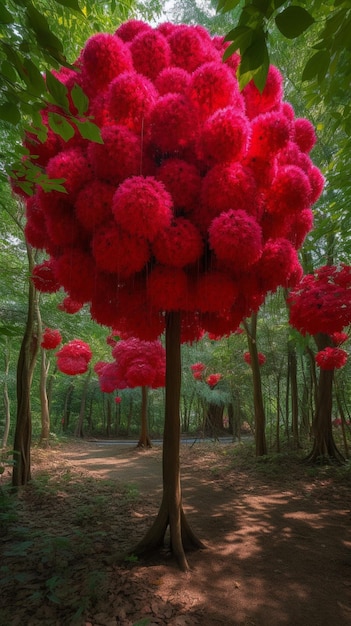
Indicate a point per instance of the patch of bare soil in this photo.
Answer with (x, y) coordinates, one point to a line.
(278, 537)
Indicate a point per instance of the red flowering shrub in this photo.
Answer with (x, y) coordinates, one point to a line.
(74, 357)
(321, 302)
(137, 364)
(197, 368)
(51, 339)
(339, 338)
(213, 379)
(260, 355)
(196, 200)
(331, 358)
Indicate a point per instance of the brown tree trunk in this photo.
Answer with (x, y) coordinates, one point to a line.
(79, 430)
(44, 402)
(324, 449)
(171, 512)
(214, 420)
(67, 407)
(21, 474)
(144, 439)
(294, 394)
(6, 400)
(259, 412)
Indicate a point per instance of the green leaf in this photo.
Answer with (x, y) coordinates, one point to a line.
(10, 113)
(241, 37)
(60, 126)
(227, 5)
(5, 16)
(8, 71)
(80, 99)
(318, 63)
(71, 4)
(57, 90)
(34, 78)
(293, 21)
(255, 56)
(45, 37)
(88, 130)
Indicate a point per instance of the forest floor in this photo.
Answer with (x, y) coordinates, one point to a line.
(277, 533)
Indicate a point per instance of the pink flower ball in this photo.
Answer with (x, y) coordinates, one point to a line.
(290, 191)
(270, 132)
(189, 48)
(215, 291)
(299, 227)
(182, 180)
(108, 377)
(151, 53)
(62, 226)
(262, 168)
(198, 367)
(331, 358)
(173, 124)
(75, 271)
(305, 135)
(34, 229)
(130, 29)
(129, 100)
(69, 305)
(118, 252)
(279, 261)
(224, 136)
(179, 244)
(44, 277)
(172, 80)
(317, 181)
(74, 357)
(229, 187)
(51, 339)
(339, 338)
(142, 206)
(236, 238)
(93, 205)
(72, 166)
(135, 312)
(213, 86)
(118, 140)
(103, 58)
(72, 366)
(213, 379)
(167, 288)
(262, 102)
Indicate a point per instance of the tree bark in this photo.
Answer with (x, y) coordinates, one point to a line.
(144, 439)
(294, 394)
(259, 412)
(6, 400)
(324, 449)
(79, 430)
(44, 402)
(21, 474)
(171, 512)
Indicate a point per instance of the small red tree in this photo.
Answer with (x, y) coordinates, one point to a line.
(137, 364)
(321, 306)
(187, 213)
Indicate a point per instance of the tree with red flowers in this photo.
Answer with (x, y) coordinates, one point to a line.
(213, 402)
(320, 305)
(187, 214)
(136, 364)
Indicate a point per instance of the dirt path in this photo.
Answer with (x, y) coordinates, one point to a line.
(279, 550)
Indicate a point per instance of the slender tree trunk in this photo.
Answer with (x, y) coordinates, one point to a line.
(277, 423)
(259, 412)
(324, 449)
(171, 512)
(79, 431)
(109, 417)
(6, 399)
(67, 407)
(25, 367)
(44, 401)
(343, 424)
(294, 394)
(144, 439)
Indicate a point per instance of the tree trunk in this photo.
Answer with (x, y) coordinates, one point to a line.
(214, 420)
(6, 400)
(144, 439)
(294, 394)
(79, 431)
(21, 474)
(67, 407)
(324, 449)
(259, 412)
(171, 512)
(44, 402)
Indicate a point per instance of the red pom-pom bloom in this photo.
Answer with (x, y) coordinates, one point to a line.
(236, 239)
(213, 86)
(44, 277)
(189, 48)
(172, 80)
(74, 357)
(213, 379)
(173, 123)
(142, 207)
(103, 58)
(151, 53)
(118, 140)
(51, 339)
(116, 251)
(178, 245)
(305, 135)
(182, 180)
(129, 100)
(339, 338)
(331, 358)
(264, 101)
(93, 205)
(198, 367)
(139, 363)
(70, 306)
(224, 136)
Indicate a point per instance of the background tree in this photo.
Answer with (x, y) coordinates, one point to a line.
(321, 306)
(137, 364)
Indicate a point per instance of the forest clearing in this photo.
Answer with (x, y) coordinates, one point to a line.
(277, 535)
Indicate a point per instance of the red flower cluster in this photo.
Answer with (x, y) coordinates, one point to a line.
(213, 379)
(137, 364)
(261, 358)
(51, 339)
(74, 357)
(331, 358)
(321, 302)
(198, 370)
(339, 338)
(196, 200)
